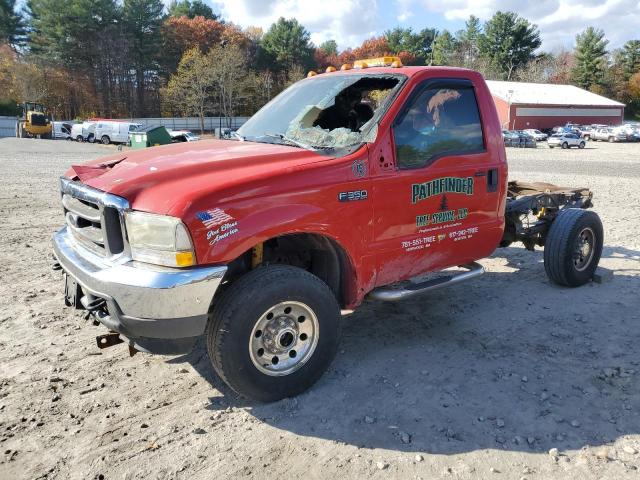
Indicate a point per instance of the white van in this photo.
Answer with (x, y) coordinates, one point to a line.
(83, 132)
(62, 130)
(114, 132)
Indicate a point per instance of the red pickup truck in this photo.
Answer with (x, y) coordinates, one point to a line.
(365, 182)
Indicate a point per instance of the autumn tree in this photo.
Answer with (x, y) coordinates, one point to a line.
(208, 82)
(508, 43)
(191, 89)
(183, 33)
(590, 59)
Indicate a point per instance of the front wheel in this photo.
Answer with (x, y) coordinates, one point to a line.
(274, 332)
(581, 145)
(105, 140)
(611, 139)
(565, 145)
(573, 247)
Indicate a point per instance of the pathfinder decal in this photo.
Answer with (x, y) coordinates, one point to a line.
(422, 191)
(441, 217)
(353, 195)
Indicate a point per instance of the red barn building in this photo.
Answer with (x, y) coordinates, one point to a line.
(540, 105)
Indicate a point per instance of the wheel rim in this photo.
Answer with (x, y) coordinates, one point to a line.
(584, 249)
(284, 338)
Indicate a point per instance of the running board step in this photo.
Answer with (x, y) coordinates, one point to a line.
(391, 294)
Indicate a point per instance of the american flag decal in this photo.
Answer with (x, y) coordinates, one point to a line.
(212, 218)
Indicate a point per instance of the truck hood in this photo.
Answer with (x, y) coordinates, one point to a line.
(161, 179)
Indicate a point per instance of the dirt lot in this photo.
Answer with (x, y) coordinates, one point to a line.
(478, 381)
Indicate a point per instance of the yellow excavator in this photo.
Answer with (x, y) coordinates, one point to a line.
(34, 122)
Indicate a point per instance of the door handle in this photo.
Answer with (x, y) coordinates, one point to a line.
(480, 173)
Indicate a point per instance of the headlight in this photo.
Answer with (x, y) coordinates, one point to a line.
(159, 239)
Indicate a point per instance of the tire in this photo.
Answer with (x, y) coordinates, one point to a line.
(565, 145)
(582, 144)
(105, 140)
(550, 146)
(611, 139)
(242, 317)
(587, 137)
(564, 262)
(79, 138)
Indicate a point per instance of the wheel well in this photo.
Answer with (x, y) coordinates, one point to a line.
(317, 254)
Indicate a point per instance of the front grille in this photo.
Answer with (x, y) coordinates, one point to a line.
(94, 218)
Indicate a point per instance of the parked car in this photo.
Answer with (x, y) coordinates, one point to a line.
(83, 132)
(608, 135)
(183, 136)
(517, 138)
(565, 140)
(114, 132)
(524, 140)
(537, 135)
(586, 131)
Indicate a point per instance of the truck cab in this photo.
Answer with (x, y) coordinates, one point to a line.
(348, 184)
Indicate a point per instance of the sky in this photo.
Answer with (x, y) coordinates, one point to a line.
(351, 21)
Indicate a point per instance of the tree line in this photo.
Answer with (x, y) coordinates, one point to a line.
(136, 58)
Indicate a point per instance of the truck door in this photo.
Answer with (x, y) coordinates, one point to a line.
(438, 205)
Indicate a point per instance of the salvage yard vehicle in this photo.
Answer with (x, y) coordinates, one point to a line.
(608, 134)
(113, 131)
(565, 140)
(34, 122)
(351, 184)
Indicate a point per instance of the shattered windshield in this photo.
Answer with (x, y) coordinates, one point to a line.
(327, 112)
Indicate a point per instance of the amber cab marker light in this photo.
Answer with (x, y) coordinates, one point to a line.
(346, 66)
(396, 64)
(330, 69)
(311, 74)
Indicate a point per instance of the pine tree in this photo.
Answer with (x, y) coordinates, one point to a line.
(11, 23)
(288, 43)
(590, 59)
(508, 43)
(142, 20)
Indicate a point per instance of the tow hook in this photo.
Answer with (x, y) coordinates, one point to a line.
(108, 340)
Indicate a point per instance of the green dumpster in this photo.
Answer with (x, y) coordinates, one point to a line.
(149, 137)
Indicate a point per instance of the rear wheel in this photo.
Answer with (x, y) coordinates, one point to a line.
(573, 247)
(274, 332)
(611, 139)
(79, 138)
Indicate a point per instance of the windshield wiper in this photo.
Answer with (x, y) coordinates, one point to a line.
(290, 141)
(238, 136)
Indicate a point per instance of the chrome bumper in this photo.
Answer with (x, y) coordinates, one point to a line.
(143, 301)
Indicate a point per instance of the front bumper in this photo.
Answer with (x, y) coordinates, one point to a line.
(154, 309)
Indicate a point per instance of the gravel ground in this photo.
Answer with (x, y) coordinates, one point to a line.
(506, 377)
